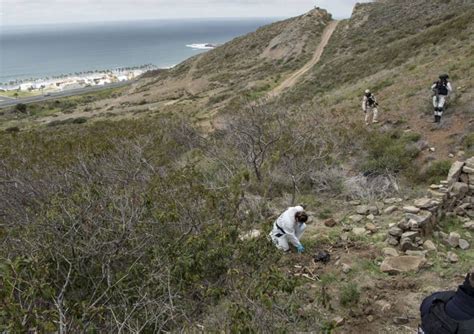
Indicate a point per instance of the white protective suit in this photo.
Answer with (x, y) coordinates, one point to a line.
(371, 111)
(439, 100)
(287, 230)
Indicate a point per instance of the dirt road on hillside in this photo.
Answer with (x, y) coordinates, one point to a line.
(293, 78)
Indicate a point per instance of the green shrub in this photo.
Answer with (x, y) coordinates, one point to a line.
(388, 153)
(12, 129)
(325, 214)
(79, 120)
(21, 107)
(437, 171)
(469, 142)
(350, 294)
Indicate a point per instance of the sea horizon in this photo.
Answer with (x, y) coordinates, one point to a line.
(40, 51)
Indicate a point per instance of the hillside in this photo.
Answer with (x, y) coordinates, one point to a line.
(397, 49)
(147, 208)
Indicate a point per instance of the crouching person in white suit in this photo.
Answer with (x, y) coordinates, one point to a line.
(289, 228)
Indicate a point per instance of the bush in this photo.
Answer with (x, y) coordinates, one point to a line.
(469, 142)
(12, 129)
(79, 120)
(388, 153)
(350, 294)
(437, 171)
(21, 107)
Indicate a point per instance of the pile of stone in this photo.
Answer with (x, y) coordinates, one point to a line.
(455, 196)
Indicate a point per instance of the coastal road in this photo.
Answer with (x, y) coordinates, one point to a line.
(8, 102)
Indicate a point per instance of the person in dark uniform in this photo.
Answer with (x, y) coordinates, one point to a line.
(449, 312)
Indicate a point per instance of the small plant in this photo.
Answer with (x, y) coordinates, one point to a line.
(325, 298)
(437, 171)
(12, 129)
(469, 142)
(350, 294)
(325, 214)
(21, 107)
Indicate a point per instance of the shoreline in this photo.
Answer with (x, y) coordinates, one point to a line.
(70, 81)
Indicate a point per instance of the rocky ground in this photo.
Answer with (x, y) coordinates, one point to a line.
(393, 253)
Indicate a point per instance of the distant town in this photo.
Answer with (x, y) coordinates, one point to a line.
(74, 80)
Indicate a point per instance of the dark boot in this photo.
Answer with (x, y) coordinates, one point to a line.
(437, 119)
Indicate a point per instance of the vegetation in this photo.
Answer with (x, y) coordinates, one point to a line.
(138, 224)
(388, 153)
(349, 294)
(437, 171)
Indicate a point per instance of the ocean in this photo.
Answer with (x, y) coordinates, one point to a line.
(44, 51)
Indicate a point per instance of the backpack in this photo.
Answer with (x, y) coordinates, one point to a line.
(436, 321)
(441, 87)
(371, 101)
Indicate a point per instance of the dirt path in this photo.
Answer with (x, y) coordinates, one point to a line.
(293, 78)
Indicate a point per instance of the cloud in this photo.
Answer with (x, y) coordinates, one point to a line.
(52, 11)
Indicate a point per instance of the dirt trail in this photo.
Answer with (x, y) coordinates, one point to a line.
(293, 78)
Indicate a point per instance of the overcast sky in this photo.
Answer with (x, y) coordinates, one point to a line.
(19, 12)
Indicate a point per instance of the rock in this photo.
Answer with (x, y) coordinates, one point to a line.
(391, 209)
(395, 231)
(422, 218)
(383, 306)
(371, 227)
(370, 318)
(354, 203)
(429, 246)
(402, 264)
(392, 241)
(460, 188)
(453, 239)
(435, 186)
(415, 253)
(389, 251)
(374, 210)
(403, 224)
(356, 218)
(452, 257)
(424, 203)
(468, 170)
(463, 244)
(392, 200)
(413, 225)
(469, 225)
(454, 172)
(411, 209)
(338, 321)
(253, 234)
(358, 231)
(464, 178)
(362, 210)
(346, 268)
(407, 244)
(432, 149)
(460, 154)
(410, 235)
(330, 222)
(450, 155)
(437, 194)
(371, 217)
(470, 162)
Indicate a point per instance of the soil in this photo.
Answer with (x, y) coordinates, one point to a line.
(387, 304)
(293, 78)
